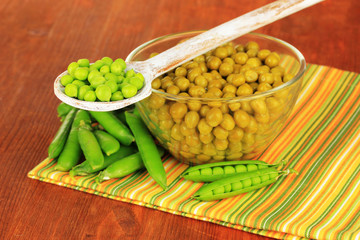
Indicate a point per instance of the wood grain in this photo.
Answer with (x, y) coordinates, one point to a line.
(39, 38)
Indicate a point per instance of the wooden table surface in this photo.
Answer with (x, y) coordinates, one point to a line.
(40, 38)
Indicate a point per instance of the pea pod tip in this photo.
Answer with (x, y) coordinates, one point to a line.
(291, 170)
(72, 176)
(98, 180)
(164, 186)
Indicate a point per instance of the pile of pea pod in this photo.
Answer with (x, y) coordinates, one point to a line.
(114, 144)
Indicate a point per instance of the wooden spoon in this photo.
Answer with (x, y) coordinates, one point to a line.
(190, 49)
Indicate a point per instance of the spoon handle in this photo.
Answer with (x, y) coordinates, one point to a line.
(221, 34)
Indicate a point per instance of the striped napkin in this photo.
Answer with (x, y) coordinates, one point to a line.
(321, 140)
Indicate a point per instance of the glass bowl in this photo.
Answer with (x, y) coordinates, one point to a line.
(198, 130)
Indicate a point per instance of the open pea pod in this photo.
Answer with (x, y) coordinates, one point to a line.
(218, 170)
(241, 183)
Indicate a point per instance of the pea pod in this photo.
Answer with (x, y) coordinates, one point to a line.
(114, 126)
(71, 153)
(215, 171)
(147, 149)
(90, 146)
(120, 115)
(108, 143)
(124, 167)
(241, 183)
(136, 111)
(57, 144)
(84, 168)
(63, 109)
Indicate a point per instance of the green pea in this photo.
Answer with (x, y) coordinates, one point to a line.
(112, 85)
(251, 167)
(219, 190)
(227, 188)
(255, 181)
(229, 169)
(111, 76)
(97, 81)
(105, 69)
(83, 62)
(264, 178)
(137, 82)
(66, 79)
(236, 186)
(120, 79)
(218, 171)
(90, 96)
(261, 166)
(93, 74)
(108, 143)
(72, 67)
(103, 93)
(126, 80)
(98, 64)
(107, 60)
(117, 96)
(205, 171)
(130, 73)
(78, 83)
(246, 183)
(207, 195)
(122, 63)
(82, 91)
(81, 73)
(240, 168)
(194, 173)
(129, 91)
(121, 85)
(139, 75)
(71, 90)
(92, 67)
(116, 68)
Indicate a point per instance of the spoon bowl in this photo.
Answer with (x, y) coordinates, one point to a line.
(105, 106)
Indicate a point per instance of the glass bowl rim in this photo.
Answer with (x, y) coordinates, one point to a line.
(170, 96)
